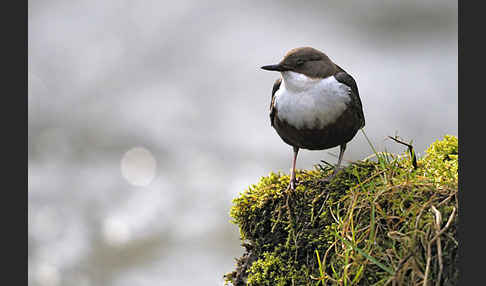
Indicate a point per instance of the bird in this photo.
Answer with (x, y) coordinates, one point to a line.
(315, 105)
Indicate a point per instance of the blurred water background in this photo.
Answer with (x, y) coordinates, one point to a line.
(146, 118)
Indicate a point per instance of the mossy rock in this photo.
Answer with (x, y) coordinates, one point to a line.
(378, 222)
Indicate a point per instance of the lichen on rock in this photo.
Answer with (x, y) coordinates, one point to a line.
(377, 222)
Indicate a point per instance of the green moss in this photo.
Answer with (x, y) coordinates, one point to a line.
(441, 161)
(372, 224)
(266, 269)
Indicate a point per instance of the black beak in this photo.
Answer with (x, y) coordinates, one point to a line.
(276, 67)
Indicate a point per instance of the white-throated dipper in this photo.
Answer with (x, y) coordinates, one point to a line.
(315, 104)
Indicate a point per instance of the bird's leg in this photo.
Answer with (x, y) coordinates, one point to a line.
(338, 166)
(340, 159)
(293, 180)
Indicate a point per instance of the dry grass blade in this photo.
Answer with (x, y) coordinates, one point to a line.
(438, 222)
(448, 224)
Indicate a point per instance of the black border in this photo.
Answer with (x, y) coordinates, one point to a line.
(14, 140)
(471, 145)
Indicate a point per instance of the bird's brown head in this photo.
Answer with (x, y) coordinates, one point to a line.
(306, 60)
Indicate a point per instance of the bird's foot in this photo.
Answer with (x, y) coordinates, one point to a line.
(330, 177)
(292, 185)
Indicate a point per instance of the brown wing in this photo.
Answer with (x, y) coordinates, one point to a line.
(276, 86)
(345, 78)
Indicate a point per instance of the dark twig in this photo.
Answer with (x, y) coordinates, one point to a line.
(410, 149)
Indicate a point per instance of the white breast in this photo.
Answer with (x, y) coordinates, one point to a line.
(312, 103)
